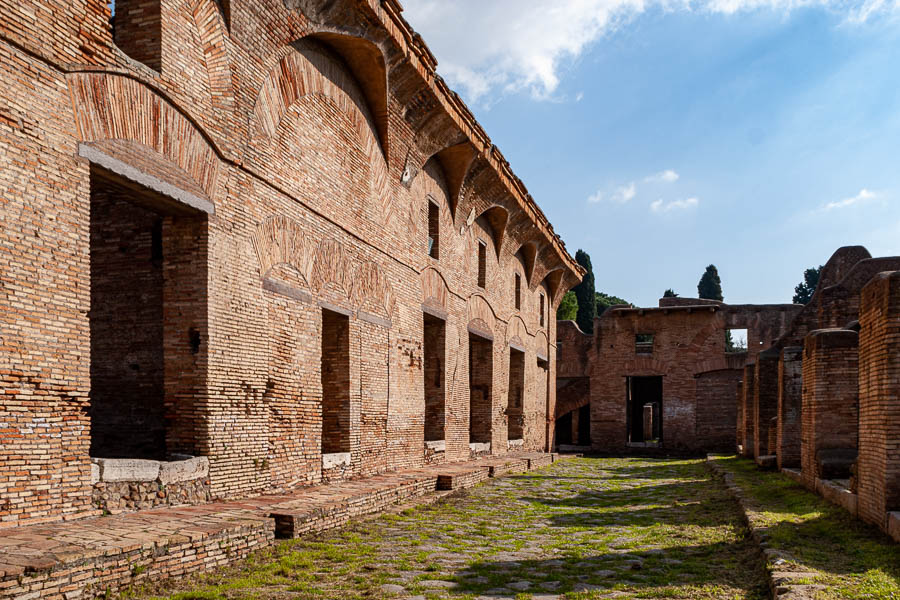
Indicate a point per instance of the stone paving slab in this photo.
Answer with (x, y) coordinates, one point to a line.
(81, 558)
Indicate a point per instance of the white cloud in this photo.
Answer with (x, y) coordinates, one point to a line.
(861, 197)
(621, 195)
(505, 46)
(626, 193)
(667, 176)
(660, 206)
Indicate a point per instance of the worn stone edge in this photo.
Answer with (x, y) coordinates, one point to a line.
(780, 587)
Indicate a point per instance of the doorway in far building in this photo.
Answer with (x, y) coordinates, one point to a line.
(640, 392)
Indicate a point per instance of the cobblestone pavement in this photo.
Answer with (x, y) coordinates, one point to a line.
(583, 528)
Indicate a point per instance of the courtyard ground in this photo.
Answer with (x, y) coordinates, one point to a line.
(583, 528)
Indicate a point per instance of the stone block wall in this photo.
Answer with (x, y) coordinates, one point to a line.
(787, 440)
(878, 466)
(830, 404)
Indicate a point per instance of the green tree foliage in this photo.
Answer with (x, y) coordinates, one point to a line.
(710, 286)
(584, 293)
(804, 291)
(670, 293)
(568, 308)
(604, 301)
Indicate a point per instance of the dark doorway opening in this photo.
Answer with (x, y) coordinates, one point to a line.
(515, 410)
(481, 373)
(564, 429)
(435, 348)
(641, 392)
(147, 322)
(335, 382)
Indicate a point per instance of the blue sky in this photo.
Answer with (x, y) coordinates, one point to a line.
(660, 136)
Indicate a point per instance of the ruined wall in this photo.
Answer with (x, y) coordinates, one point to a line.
(790, 397)
(717, 408)
(830, 404)
(878, 466)
(303, 146)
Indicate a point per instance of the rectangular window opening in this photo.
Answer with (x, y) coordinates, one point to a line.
(643, 343)
(518, 291)
(335, 374)
(434, 353)
(542, 309)
(735, 340)
(433, 230)
(482, 264)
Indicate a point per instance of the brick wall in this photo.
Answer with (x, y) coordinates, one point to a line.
(335, 382)
(514, 409)
(717, 407)
(748, 391)
(878, 467)
(313, 164)
(787, 438)
(830, 398)
(765, 400)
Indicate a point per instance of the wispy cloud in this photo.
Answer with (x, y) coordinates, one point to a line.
(661, 206)
(860, 198)
(667, 176)
(621, 195)
(525, 45)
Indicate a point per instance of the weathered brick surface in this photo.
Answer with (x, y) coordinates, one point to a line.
(748, 431)
(765, 400)
(291, 154)
(878, 466)
(790, 377)
(830, 400)
(699, 405)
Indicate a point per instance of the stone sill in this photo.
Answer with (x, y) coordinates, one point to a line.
(643, 445)
(436, 446)
(893, 525)
(835, 493)
(481, 447)
(182, 468)
(515, 443)
(335, 459)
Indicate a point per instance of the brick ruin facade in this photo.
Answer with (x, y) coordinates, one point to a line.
(266, 234)
(673, 360)
(837, 389)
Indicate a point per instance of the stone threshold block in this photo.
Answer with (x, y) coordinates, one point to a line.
(837, 493)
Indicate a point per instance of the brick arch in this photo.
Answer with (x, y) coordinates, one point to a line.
(279, 240)
(111, 109)
(574, 394)
(435, 290)
(331, 265)
(306, 69)
(497, 217)
(516, 331)
(479, 310)
(372, 288)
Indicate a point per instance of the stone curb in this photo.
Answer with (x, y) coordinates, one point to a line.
(781, 586)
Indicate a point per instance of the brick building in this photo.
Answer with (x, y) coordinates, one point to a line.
(262, 234)
(661, 377)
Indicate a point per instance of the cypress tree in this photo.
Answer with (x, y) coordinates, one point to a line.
(710, 286)
(584, 293)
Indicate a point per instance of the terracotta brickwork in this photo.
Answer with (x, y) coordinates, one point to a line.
(765, 400)
(698, 409)
(290, 152)
(748, 431)
(787, 426)
(830, 404)
(878, 466)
